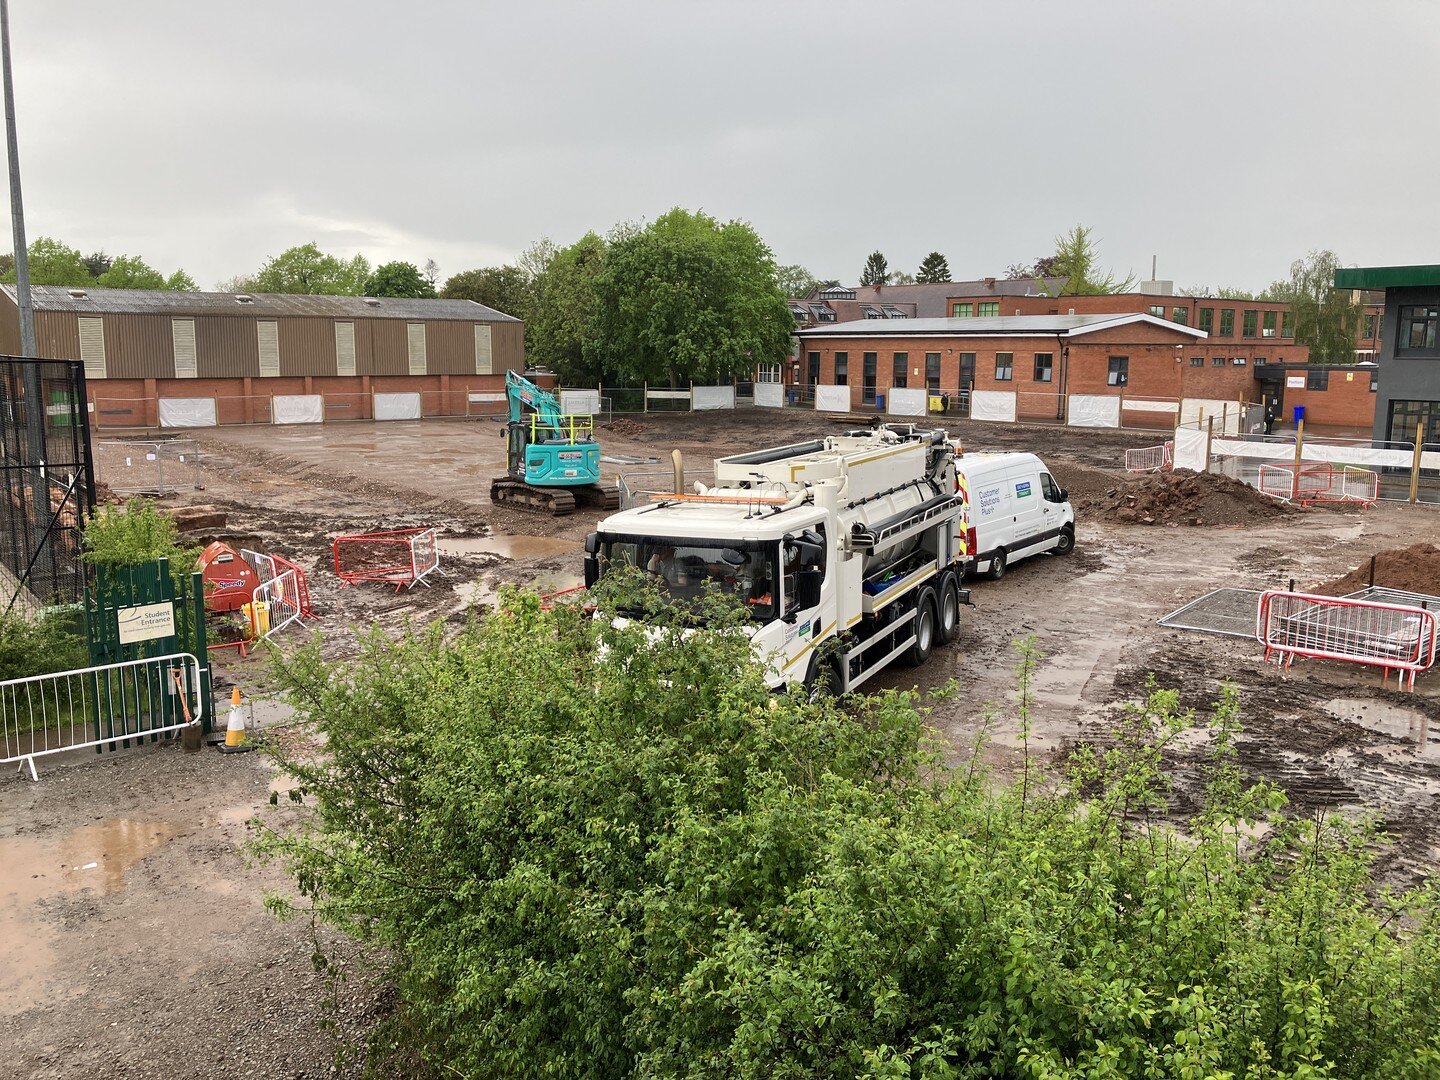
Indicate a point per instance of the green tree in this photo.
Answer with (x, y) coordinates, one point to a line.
(180, 281)
(593, 850)
(130, 272)
(97, 262)
(876, 270)
(934, 269)
(688, 297)
(306, 269)
(900, 277)
(399, 279)
(53, 263)
(1077, 259)
(1326, 318)
(1229, 293)
(795, 281)
(562, 309)
(504, 288)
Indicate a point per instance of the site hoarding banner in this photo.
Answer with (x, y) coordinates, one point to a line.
(1227, 414)
(905, 401)
(1143, 405)
(769, 395)
(1314, 452)
(993, 405)
(187, 412)
(397, 406)
(584, 402)
(1190, 449)
(832, 398)
(1094, 410)
(704, 398)
(297, 409)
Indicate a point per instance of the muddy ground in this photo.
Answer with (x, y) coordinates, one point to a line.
(159, 960)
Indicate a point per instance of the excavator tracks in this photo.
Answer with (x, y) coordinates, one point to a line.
(510, 492)
(598, 496)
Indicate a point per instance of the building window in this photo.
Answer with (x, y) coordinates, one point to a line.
(1217, 361)
(962, 311)
(900, 373)
(967, 370)
(868, 363)
(990, 308)
(1207, 319)
(1239, 361)
(932, 370)
(1044, 366)
(1157, 310)
(800, 312)
(1369, 327)
(842, 369)
(92, 347)
(1317, 380)
(822, 313)
(894, 312)
(1180, 315)
(1119, 374)
(1227, 322)
(1268, 328)
(1405, 418)
(768, 372)
(1287, 325)
(1197, 361)
(1251, 324)
(345, 349)
(267, 336)
(182, 333)
(1417, 326)
(871, 312)
(812, 368)
(1374, 381)
(1004, 369)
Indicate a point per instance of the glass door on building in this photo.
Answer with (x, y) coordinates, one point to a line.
(1405, 418)
(967, 370)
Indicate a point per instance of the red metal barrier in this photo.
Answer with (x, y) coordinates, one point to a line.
(1393, 637)
(400, 557)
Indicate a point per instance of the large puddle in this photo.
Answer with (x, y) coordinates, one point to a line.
(36, 868)
(510, 547)
(1396, 721)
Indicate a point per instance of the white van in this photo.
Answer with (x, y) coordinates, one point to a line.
(1016, 509)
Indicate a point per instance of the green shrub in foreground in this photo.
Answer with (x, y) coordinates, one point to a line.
(644, 864)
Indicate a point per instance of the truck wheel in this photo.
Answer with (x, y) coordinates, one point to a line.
(924, 630)
(997, 565)
(823, 682)
(949, 616)
(1066, 543)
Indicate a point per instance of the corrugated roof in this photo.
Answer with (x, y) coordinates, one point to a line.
(265, 305)
(992, 326)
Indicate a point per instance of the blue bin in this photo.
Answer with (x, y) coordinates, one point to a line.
(879, 402)
(1299, 411)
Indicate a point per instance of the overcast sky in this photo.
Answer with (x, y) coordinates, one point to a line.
(1224, 138)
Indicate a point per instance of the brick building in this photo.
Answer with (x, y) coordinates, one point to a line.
(1041, 358)
(244, 354)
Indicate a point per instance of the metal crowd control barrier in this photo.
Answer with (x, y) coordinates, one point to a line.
(281, 599)
(1394, 637)
(1318, 483)
(400, 557)
(1147, 459)
(162, 467)
(101, 706)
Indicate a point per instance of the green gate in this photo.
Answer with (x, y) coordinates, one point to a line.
(139, 612)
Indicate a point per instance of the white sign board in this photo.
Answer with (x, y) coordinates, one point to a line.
(1295, 382)
(832, 398)
(297, 409)
(769, 395)
(704, 398)
(579, 402)
(397, 406)
(187, 412)
(1094, 410)
(905, 401)
(993, 405)
(146, 622)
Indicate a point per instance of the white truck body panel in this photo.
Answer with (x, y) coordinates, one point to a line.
(1011, 506)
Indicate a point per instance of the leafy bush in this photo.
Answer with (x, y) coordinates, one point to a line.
(594, 851)
(39, 644)
(135, 534)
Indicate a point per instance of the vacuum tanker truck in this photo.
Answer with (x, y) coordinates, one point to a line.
(847, 550)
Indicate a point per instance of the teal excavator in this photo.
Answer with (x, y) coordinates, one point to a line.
(552, 459)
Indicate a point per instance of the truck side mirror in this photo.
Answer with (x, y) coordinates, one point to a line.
(592, 543)
(811, 555)
(1064, 494)
(592, 570)
(807, 589)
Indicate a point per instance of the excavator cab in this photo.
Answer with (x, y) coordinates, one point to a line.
(552, 459)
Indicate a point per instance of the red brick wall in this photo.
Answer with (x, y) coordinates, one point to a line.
(1346, 402)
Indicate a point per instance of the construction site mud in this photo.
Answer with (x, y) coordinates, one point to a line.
(216, 969)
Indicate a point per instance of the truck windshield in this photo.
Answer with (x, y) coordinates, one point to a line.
(685, 568)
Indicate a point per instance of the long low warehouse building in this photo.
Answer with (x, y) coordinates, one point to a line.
(178, 359)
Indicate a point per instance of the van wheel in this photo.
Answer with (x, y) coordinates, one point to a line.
(1066, 543)
(997, 565)
(948, 626)
(823, 683)
(924, 630)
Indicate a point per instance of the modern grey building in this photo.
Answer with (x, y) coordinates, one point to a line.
(1409, 390)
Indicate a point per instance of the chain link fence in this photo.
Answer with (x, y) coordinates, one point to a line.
(149, 467)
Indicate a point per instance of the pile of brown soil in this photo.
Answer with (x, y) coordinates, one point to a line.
(1181, 497)
(624, 426)
(1413, 569)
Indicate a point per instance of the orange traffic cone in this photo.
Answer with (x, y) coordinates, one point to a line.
(235, 729)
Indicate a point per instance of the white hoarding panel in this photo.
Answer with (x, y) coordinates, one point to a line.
(712, 397)
(992, 405)
(769, 395)
(580, 402)
(1094, 410)
(905, 401)
(297, 409)
(187, 412)
(1190, 449)
(832, 398)
(397, 406)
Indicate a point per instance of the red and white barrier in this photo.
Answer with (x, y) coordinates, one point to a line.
(1394, 637)
(1150, 458)
(400, 557)
(1319, 482)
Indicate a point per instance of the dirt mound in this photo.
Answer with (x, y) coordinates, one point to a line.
(624, 426)
(1181, 497)
(1412, 569)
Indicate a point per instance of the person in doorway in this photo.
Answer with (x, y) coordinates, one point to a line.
(1270, 418)
(945, 402)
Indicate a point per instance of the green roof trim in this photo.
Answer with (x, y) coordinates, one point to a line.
(1386, 277)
